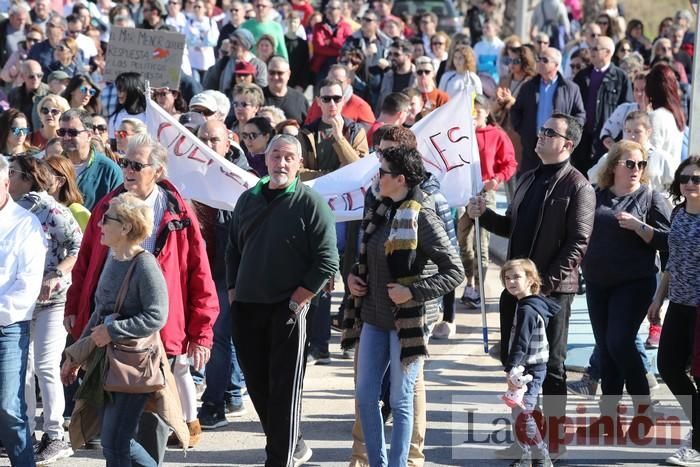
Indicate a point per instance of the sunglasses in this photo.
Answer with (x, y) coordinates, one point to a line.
(437, 43)
(511, 61)
(383, 172)
(100, 128)
(683, 179)
(205, 112)
(61, 48)
(423, 72)
(251, 135)
(35, 76)
(71, 132)
(543, 42)
(86, 90)
(630, 164)
(602, 23)
(544, 60)
(135, 166)
(19, 131)
(328, 99)
(32, 39)
(73, 33)
(106, 218)
(13, 172)
(551, 133)
(275, 73)
(368, 20)
(122, 133)
(54, 112)
(242, 104)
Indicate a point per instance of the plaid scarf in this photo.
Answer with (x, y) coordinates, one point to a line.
(400, 249)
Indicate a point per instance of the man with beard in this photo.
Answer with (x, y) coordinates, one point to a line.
(402, 74)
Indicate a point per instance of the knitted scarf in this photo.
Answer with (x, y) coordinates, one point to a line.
(400, 249)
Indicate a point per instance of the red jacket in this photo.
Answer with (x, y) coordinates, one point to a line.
(193, 305)
(496, 153)
(355, 109)
(326, 43)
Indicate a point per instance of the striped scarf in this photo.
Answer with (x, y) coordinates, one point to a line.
(400, 249)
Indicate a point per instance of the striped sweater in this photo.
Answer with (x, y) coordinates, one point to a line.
(528, 343)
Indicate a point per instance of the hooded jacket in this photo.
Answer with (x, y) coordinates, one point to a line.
(528, 343)
(193, 305)
(496, 153)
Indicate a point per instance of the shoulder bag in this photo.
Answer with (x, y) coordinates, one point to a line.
(134, 366)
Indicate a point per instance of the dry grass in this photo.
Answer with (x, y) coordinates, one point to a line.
(651, 12)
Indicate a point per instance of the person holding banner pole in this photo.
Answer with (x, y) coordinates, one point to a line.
(550, 222)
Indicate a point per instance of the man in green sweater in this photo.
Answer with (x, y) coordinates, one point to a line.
(281, 252)
(262, 24)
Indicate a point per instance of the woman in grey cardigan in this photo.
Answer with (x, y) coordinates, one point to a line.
(125, 225)
(406, 259)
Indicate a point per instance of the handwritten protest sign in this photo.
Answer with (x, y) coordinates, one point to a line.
(157, 55)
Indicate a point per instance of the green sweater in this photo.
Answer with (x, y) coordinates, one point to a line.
(295, 245)
(271, 28)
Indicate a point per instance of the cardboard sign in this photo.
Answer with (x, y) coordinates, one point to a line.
(157, 55)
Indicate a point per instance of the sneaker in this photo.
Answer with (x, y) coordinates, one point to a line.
(316, 357)
(302, 453)
(349, 354)
(51, 450)
(524, 461)
(444, 330)
(514, 451)
(471, 298)
(686, 457)
(652, 341)
(210, 419)
(651, 380)
(586, 387)
(235, 410)
(688, 440)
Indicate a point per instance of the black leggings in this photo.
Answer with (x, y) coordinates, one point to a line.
(675, 351)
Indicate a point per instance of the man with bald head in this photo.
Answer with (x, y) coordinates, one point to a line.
(545, 94)
(31, 90)
(603, 87)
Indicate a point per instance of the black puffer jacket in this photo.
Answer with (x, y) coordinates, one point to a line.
(564, 226)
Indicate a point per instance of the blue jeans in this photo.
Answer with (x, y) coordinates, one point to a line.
(14, 430)
(377, 349)
(594, 371)
(120, 421)
(525, 430)
(223, 374)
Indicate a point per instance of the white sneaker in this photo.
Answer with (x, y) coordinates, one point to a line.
(685, 457)
(688, 440)
(444, 330)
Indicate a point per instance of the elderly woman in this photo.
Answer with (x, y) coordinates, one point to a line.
(631, 221)
(124, 225)
(128, 128)
(29, 180)
(14, 130)
(50, 108)
(681, 285)
(390, 286)
(461, 72)
(176, 242)
(65, 57)
(64, 188)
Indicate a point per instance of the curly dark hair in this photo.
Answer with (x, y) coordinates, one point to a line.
(675, 189)
(407, 162)
(399, 134)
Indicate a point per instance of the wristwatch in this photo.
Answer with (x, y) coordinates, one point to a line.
(58, 273)
(294, 306)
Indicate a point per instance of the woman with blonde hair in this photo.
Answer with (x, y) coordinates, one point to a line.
(461, 72)
(439, 47)
(49, 108)
(509, 43)
(631, 222)
(66, 57)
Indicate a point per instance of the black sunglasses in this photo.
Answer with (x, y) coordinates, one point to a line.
(106, 218)
(72, 132)
(328, 99)
(100, 128)
(544, 60)
(423, 72)
(135, 166)
(551, 133)
(383, 172)
(205, 112)
(54, 112)
(630, 164)
(683, 179)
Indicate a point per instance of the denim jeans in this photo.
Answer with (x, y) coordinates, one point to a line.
(14, 429)
(525, 430)
(223, 374)
(377, 349)
(594, 370)
(120, 421)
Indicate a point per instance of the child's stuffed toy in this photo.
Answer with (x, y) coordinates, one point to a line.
(517, 385)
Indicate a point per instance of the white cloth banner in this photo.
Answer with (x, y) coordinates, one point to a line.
(445, 139)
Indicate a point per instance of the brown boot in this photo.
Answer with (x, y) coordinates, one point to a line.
(195, 432)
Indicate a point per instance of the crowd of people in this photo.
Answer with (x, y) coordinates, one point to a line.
(583, 125)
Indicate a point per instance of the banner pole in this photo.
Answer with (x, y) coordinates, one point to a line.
(484, 325)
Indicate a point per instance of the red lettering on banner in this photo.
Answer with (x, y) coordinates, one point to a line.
(178, 146)
(441, 151)
(451, 131)
(193, 156)
(234, 177)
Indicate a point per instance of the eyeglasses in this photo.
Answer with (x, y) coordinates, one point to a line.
(437, 43)
(544, 60)
(61, 48)
(19, 131)
(551, 133)
(368, 20)
(383, 172)
(32, 39)
(35, 76)
(630, 164)
(70, 132)
(73, 32)
(683, 179)
(577, 66)
(242, 104)
(423, 72)
(54, 112)
(100, 128)
(328, 99)
(251, 135)
(626, 50)
(135, 166)
(122, 133)
(602, 23)
(106, 218)
(511, 61)
(203, 111)
(542, 42)
(13, 172)
(86, 90)
(275, 73)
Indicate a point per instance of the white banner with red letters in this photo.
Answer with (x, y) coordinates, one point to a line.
(445, 139)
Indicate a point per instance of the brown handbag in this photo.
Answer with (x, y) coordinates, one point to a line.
(134, 366)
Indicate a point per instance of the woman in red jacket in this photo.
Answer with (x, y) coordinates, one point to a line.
(497, 166)
(177, 244)
(327, 39)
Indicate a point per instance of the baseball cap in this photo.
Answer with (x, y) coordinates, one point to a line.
(204, 100)
(57, 75)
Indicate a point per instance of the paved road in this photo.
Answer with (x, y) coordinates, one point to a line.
(460, 379)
